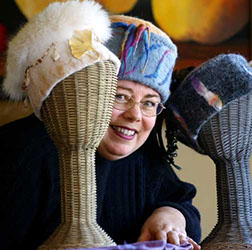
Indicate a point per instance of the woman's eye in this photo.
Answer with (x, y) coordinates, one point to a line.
(149, 104)
(121, 98)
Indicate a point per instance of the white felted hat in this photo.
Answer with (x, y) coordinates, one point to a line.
(63, 39)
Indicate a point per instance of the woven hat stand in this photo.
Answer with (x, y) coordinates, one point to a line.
(77, 114)
(227, 138)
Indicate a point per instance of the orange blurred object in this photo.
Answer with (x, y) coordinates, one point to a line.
(203, 21)
(31, 8)
(118, 6)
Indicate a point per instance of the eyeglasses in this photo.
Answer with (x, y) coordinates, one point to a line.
(148, 108)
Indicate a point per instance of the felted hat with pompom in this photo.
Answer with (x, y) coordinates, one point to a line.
(63, 39)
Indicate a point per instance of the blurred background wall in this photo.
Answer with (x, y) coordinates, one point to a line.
(201, 29)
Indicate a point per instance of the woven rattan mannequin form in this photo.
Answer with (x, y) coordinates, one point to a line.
(77, 115)
(227, 138)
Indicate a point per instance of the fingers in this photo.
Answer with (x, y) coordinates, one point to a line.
(176, 238)
(194, 244)
(145, 236)
(183, 239)
(173, 238)
(161, 235)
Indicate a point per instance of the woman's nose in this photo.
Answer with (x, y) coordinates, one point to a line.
(134, 113)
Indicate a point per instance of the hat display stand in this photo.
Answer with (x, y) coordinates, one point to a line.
(77, 114)
(227, 139)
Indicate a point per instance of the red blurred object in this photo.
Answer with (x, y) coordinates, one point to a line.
(3, 37)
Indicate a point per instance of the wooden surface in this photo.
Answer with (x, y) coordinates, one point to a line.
(193, 54)
(11, 111)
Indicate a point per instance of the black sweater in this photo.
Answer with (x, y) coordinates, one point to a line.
(128, 190)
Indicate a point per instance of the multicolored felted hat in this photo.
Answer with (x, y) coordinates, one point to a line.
(204, 92)
(63, 39)
(147, 54)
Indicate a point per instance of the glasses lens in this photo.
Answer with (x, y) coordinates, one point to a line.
(123, 102)
(152, 109)
(160, 108)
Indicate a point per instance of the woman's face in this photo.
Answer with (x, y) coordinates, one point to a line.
(129, 129)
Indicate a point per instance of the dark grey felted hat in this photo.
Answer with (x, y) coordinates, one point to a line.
(205, 91)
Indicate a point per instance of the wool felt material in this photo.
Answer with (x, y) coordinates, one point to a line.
(146, 53)
(128, 190)
(63, 39)
(205, 91)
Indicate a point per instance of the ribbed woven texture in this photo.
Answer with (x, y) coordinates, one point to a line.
(77, 115)
(227, 138)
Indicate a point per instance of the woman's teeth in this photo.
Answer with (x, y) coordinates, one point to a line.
(124, 131)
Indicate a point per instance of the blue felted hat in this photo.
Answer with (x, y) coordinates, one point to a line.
(204, 92)
(147, 54)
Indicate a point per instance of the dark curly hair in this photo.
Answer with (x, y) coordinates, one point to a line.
(170, 150)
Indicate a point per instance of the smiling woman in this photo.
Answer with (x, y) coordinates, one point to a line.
(129, 126)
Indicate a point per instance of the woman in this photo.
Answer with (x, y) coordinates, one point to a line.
(139, 196)
(132, 121)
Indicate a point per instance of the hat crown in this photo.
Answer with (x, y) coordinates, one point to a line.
(147, 54)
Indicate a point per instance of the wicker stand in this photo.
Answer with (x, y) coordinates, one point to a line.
(227, 139)
(77, 114)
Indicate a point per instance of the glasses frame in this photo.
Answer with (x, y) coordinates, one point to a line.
(140, 104)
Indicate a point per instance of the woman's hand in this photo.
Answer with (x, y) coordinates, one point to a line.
(168, 224)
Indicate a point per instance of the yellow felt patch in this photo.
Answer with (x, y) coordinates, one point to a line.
(81, 43)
